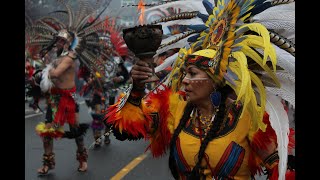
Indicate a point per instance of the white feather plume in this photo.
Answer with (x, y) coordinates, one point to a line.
(284, 59)
(287, 85)
(280, 18)
(184, 6)
(167, 62)
(46, 82)
(280, 123)
(192, 21)
(180, 44)
(287, 89)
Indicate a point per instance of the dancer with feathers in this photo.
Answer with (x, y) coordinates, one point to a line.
(76, 38)
(219, 110)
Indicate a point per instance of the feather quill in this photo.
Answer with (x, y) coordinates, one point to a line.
(184, 6)
(280, 123)
(180, 44)
(167, 62)
(195, 20)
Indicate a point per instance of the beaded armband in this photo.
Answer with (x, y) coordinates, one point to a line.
(272, 160)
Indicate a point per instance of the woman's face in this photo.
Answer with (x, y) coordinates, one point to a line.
(198, 85)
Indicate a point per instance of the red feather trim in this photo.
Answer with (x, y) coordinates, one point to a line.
(292, 143)
(129, 119)
(160, 139)
(254, 164)
(260, 139)
(274, 173)
(290, 175)
(66, 108)
(116, 38)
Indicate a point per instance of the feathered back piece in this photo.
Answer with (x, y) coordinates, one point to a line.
(86, 26)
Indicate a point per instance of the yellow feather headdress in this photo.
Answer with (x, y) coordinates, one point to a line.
(234, 42)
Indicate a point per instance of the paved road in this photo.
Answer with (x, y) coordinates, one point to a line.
(104, 163)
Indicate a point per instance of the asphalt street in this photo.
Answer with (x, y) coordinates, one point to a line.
(118, 160)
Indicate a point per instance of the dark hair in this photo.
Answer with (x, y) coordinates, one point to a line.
(212, 133)
(48, 48)
(172, 164)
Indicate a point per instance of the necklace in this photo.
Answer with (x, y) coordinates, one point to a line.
(204, 122)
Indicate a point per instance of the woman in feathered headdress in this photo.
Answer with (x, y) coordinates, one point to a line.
(213, 111)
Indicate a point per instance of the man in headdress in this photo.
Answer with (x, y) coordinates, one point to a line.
(58, 79)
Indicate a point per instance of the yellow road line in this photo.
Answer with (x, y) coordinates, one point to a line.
(124, 171)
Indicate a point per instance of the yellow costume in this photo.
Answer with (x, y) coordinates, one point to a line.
(235, 53)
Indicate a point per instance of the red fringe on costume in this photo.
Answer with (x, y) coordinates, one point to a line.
(129, 119)
(292, 142)
(66, 107)
(290, 175)
(260, 140)
(160, 139)
(55, 134)
(254, 164)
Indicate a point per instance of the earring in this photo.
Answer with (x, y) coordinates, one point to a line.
(215, 97)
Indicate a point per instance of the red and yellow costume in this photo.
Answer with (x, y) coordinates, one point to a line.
(232, 154)
(234, 52)
(62, 109)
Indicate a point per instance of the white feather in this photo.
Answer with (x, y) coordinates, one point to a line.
(180, 44)
(46, 82)
(192, 21)
(280, 123)
(184, 6)
(167, 62)
(287, 89)
(280, 18)
(284, 59)
(287, 85)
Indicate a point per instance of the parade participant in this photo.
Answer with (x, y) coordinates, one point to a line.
(122, 75)
(62, 107)
(72, 39)
(97, 125)
(213, 112)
